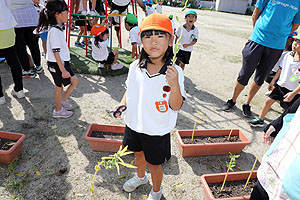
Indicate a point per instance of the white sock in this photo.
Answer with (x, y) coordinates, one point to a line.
(142, 178)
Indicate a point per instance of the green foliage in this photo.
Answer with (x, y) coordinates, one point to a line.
(230, 166)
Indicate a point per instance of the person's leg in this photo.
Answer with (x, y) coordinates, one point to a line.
(21, 49)
(267, 105)
(258, 192)
(182, 65)
(237, 91)
(44, 44)
(15, 67)
(116, 53)
(252, 92)
(140, 164)
(58, 97)
(33, 44)
(71, 87)
(156, 176)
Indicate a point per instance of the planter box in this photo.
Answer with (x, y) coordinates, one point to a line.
(7, 157)
(104, 144)
(219, 178)
(188, 150)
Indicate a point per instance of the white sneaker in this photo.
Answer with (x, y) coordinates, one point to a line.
(2, 100)
(101, 65)
(84, 12)
(93, 13)
(133, 183)
(116, 66)
(19, 94)
(155, 195)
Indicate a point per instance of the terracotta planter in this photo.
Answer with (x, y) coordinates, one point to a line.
(188, 150)
(104, 144)
(7, 157)
(219, 178)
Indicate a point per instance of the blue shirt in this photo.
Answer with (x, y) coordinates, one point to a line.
(274, 25)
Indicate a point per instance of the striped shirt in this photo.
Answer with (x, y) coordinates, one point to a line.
(26, 17)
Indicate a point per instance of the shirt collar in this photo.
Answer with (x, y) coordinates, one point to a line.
(193, 27)
(58, 27)
(162, 70)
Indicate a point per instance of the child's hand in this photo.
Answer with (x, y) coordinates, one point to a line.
(266, 136)
(65, 74)
(271, 86)
(288, 97)
(172, 76)
(119, 109)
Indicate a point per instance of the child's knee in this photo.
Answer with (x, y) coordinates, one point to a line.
(269, 101)
(116, 51)
(74, 80)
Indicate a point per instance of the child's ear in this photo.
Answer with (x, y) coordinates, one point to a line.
(171, 40)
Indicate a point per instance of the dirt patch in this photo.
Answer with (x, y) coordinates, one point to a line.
(6, 144)
(107, 135)
(213, 139)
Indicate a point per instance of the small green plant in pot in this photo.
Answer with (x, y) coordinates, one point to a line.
(230, 166)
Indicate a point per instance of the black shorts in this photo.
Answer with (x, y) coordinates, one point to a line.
(157, 149)
(81, 22)
(278, 94)
(117, 7)
(56, 73)
(115, 23)
(260, 58)
(183, 56)
(109, 60)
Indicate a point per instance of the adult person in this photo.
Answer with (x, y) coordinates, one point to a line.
(26, 17)
(273, 21)
(8, 51)
(278, 175)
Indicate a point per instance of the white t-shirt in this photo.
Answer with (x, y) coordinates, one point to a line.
(276, 66)
(56, 40)
(121, 2)
(100, 53)
(149, 10)
(173, 26)
(288, 68)
(158, 8)
(187, 37)
(134, 35)
(148, 109)
(7, 20)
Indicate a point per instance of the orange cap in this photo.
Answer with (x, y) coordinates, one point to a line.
(97, 29)
(157, 21)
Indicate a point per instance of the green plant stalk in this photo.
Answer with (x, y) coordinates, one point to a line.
(194, 131)
(226, 174)
(229, 134)
(250, 173)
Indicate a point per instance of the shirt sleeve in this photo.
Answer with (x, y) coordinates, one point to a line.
(178, 32)
(133, 37)
(297, 18)
(55, 43)
(261, 4)
(196, 34)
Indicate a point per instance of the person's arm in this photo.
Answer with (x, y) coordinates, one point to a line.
(176, 99)
(141, 4)
(290, 96)
(133, 49)
(255, 15)
(276, 76)
(64, 72)
(189, 44)
(295, 27)
(122, 102)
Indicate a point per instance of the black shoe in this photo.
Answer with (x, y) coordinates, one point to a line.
(228, 105)
(257, 122)
(246, 110)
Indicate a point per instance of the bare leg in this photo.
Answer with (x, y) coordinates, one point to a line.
(116, 52)
(44, 44)
(253, 90)
(72, 86)
(267, 105)
(140, 162)
(57, 97)
(156, 175)
(30, 60)
(237, 90)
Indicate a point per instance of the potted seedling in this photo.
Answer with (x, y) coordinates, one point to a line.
(229, 185)
(211, 142)
(10, 146)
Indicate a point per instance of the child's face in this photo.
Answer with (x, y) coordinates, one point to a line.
(190, 19)
(155, 45)
(127, 27)
(296, 46)
(62, 17)
(104, 37)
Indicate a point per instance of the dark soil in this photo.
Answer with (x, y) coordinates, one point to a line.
(107, 135)
(207, 139)
(6, 144)
(232, 188)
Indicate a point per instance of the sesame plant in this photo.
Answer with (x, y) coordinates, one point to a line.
(111, 162)
(230, 166)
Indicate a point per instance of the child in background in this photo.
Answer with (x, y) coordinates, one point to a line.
(132, 27)
(158, 7)
(58, 56)
(92, 12)
(118, 5)
(173, 23)
(146, 5)
(155, 93)
(284, 90)
(99, 48)
(189, 37)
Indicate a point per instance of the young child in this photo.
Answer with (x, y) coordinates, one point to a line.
(118, 5)
(173, 23)
(189, 37)
(146, 5)
(132, 27)
(99, 48)
(58, 57)
(158, 7)
(285, 90)
(155, 93)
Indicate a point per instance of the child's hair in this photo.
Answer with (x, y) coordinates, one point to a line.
(131, 20)
(144, 57)
(130, 24)
(98, 38)
(47, 15)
